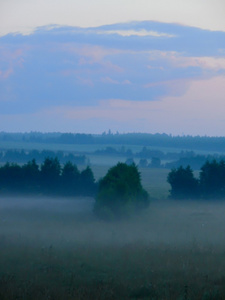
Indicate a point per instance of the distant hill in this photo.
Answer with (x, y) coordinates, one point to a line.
(203, 143)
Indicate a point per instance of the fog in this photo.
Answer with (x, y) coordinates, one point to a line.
(69, 222)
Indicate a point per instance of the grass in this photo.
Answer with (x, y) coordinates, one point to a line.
(87, 147)
(128, 272)
(55, 249)
(155, 182)
(63, 147)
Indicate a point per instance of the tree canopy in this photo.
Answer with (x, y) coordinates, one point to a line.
(120, 192)
(209, 185)
(51, 178)
(183, 183)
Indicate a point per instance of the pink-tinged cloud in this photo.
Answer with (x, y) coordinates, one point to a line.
(13, 59)
(179, 60)
(85, 81)
(5, 74)
(108, 79)
(90, 55)
(95, 53)
(211, 63)
(126, 81)
(200, 111)
(175, 87)
(9, 55)
(73, 69)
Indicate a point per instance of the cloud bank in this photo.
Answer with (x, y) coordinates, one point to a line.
(135, 76)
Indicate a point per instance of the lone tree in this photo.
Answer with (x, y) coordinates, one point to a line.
(120, 193)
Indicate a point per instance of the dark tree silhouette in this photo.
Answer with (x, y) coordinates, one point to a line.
(183, 183)
(155, 162)
(70, 179)
(87, 182)
(31, 177)
(50, 175)
(51, 179)
(10, 178)
(120, 193)
(143, 163)
(212, 179)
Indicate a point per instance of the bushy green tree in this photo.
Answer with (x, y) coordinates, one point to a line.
(120, 193)
(183, 183)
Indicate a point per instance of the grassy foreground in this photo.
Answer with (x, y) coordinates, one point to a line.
(56, 249)
(132, 271)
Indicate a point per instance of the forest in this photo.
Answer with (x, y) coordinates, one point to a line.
(209, 185)
(146, 157)
(51, 178)
(144, 139)
(22, 156)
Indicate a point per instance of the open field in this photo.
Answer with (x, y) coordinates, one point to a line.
(64, 147)
(6, 145)
(56, 249)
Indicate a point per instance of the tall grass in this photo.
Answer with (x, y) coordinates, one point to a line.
(56, 249)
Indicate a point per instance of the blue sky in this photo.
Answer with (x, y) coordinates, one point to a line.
(136, 76)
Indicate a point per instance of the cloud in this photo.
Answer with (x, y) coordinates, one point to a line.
(109, 80)
(181, 60)
(126, 81)
(141, 33)
(198, 111)
(90, 55)
(79, 74)
(25, 15)
(211, 63)
(95, 53)
(5, 74)
(10, 59)
(174, 87)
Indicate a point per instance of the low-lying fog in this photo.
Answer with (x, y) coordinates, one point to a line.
(66, 222)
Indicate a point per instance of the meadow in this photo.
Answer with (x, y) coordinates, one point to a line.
(54, 248)
(153, 180)
(57, 249)
(64, 147)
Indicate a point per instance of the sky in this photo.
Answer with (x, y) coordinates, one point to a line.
(128, 66)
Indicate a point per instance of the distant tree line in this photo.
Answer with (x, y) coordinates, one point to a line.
(148, 158)
(51, 178)
(22, 156)
(209, 185)
(144, 163)
(144, 139)
(173, 159)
